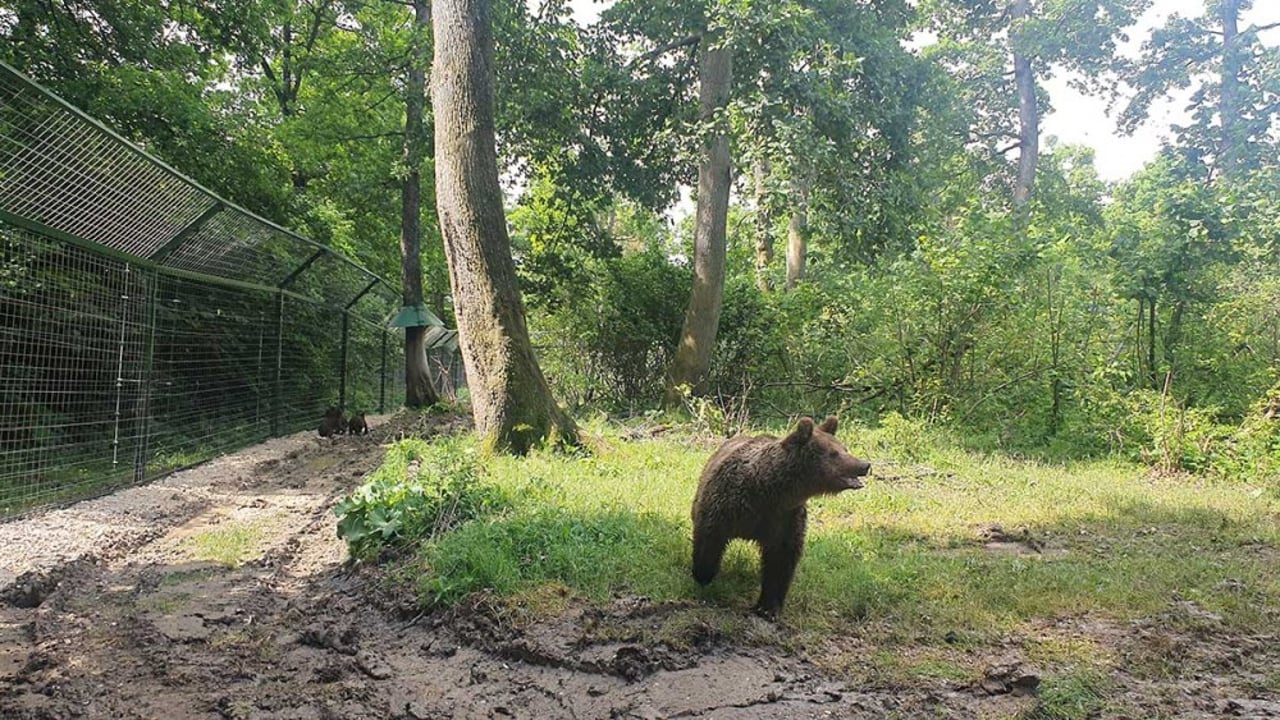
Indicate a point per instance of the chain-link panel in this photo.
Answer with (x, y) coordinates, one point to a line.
(213, 364)
(59, 169)
(147, 325)
(63, 172)
(72, 349)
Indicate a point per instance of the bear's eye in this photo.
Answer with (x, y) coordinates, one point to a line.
(832, 453)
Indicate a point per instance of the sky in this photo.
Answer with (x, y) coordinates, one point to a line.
(1078, 119)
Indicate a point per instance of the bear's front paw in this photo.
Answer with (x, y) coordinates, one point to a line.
(703, 576)
(767, 611)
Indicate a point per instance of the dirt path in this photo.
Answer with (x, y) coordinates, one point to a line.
(221, 593)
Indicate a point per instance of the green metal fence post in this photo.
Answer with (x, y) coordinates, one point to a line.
(277, 407)
(151, 282)
(116, 414)
(342, 360)
(382, 376)
(285, 284)
(346, 326)
(257, 396)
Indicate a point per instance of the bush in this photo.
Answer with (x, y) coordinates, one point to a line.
(421, 490)
(1167, 435)
(613, 345)
(1252, 451)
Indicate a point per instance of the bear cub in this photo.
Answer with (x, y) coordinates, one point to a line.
(755, 488)
(357, 425)
(332, 423)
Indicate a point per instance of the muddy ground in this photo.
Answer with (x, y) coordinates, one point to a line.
(223, 592)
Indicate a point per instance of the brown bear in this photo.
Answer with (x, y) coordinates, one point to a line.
(357, 425)
(755, 488)
(332, 423)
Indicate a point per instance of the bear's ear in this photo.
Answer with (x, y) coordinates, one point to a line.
(802, 433)
(829, 425)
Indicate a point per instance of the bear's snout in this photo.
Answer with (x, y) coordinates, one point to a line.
(861, 468)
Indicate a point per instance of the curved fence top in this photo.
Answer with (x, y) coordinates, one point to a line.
(65, 174)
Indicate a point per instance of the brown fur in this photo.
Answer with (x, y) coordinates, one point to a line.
(357, 425)
(332, 423)
(755, 488)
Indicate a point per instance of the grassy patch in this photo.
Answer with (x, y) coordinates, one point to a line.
(187, 575)
(936, 666)
(590, 553)
(1067, 651)
(1070, 696)
(902, 561)
(230, 543)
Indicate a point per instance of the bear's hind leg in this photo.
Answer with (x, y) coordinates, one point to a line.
(708, 550)
(779, 556)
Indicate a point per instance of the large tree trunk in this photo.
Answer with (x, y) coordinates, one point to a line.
(1229, 109)
(764, 225)
(798, 233)
(1028, 111)
(418, 391)
(702, 320)
(511, 402)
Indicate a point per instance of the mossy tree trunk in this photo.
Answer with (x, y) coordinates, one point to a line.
(510, 398)
(798, 232)
(764, 225)
(1229, 97)
(418, 390)
(702, 320)
(1028, 111)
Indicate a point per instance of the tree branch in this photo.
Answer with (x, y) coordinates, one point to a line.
(317, 18)
(1000, 388)
(691, 40)
(996, 135)
(276, 90)
(266, 70)
(372, 136)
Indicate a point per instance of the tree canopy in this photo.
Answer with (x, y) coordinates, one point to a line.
(889, 229)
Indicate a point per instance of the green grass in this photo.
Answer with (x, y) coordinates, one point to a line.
(230, 543)
(1073, 695)
(901, 560)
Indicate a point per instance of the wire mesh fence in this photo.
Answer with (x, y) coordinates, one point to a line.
(146, 324)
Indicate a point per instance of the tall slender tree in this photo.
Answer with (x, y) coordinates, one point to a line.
(798, 231)
(511, 402)
(981, 40)
(418, 389)
(764, 222)
(702, 320)
(1028, 107)
(1235, 111)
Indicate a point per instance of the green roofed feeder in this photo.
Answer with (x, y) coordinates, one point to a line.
(441, 338)
(415, 316)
